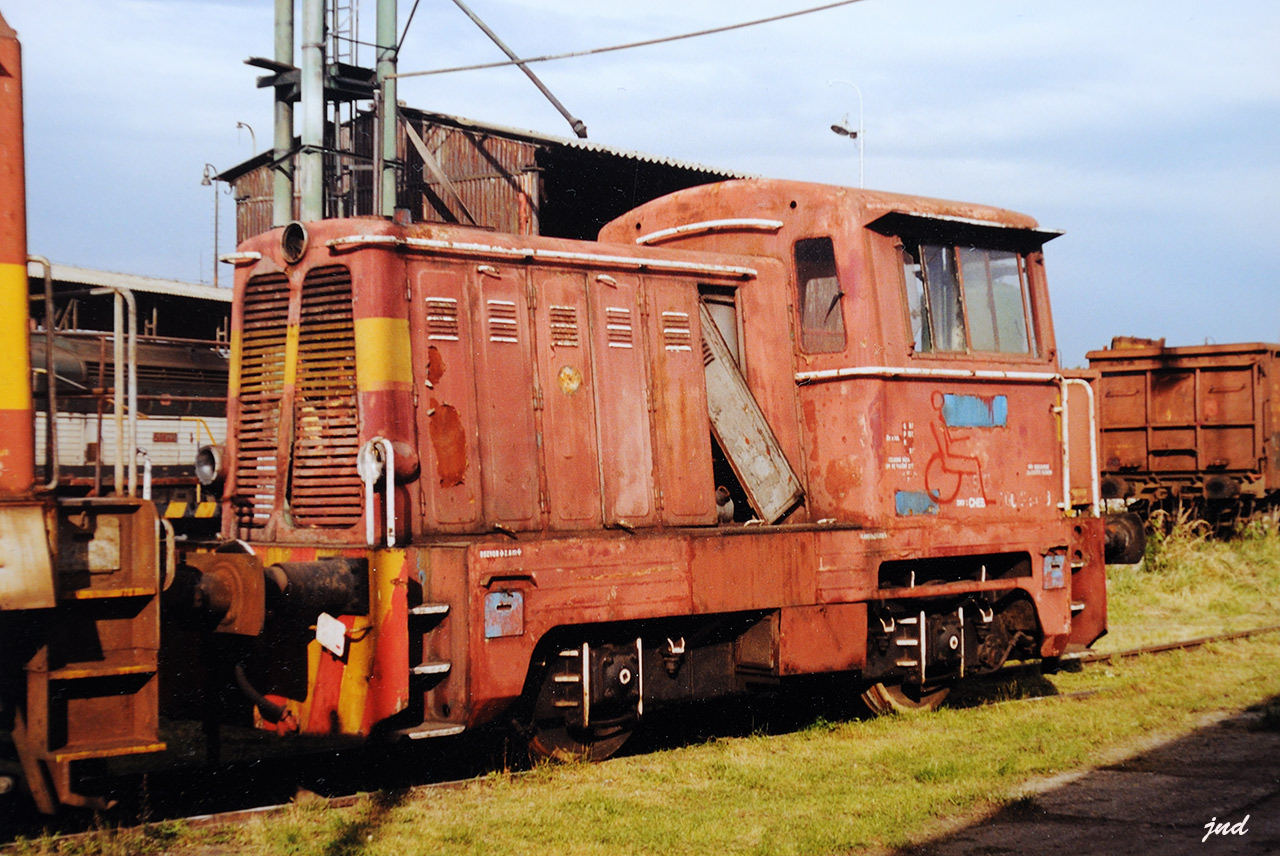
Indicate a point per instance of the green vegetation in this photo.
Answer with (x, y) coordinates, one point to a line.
(837, 784)
(1191, 585)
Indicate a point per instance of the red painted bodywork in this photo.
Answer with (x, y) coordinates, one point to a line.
(555, 421)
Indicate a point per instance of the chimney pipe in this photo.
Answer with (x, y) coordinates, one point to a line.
(387, 58)
(311, 158)
(282, 174)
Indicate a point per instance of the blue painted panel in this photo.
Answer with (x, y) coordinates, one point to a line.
(974, 411)
(909, 502)
(503, 614)
(1055, 571)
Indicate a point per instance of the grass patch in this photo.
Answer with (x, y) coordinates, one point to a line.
(1191, 585)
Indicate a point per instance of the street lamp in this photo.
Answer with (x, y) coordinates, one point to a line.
(211, 179)
(858, 136)
(253, 138)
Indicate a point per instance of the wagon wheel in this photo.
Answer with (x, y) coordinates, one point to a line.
(897, 698)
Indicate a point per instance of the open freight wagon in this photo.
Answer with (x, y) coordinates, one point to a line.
(1195, 426)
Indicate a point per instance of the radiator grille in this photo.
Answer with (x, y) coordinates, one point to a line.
(266, 315)
(324, 488)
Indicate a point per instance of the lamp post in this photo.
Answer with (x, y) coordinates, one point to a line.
(253, 138)
(211, 179)
(857, 135)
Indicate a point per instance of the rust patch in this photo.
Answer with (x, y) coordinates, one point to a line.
(841, 476)
(450, 443)
(435, 365)
(570, 380)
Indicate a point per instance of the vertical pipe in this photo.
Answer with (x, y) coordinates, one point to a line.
(386, 68)
(17, 427)
(50, 379)
(117, 390)
(215, 232)
(1064, 418)
(125, 361)
(133, 389)
(311, 158)
(282, 175)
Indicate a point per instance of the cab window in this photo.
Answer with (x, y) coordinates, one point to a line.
(820, 297)
(967, 299)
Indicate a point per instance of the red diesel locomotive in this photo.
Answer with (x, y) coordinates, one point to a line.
(761, 429)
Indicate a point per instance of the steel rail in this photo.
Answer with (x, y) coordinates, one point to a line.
(1165, 647)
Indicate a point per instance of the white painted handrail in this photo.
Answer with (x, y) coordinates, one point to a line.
(376, 458)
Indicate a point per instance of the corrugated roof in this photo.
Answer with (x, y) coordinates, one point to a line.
(570, 142)
(528, 136)
(133, 282)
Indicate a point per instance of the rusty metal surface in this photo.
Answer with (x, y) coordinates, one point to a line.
(26, 578)
(1194, 421)
(92, 687)
(231, 590)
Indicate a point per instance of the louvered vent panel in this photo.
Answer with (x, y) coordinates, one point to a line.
(262, 342)
(324, 488)
(564, 326)
(503, 326)
(618, 326)
(442, 319)
(675, 331)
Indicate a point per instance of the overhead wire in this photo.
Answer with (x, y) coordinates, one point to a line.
(405, 31)
(629, 45)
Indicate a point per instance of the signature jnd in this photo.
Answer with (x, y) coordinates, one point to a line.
(1225, 828)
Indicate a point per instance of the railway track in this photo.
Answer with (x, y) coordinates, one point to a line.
(1083, 658)
(1096, 657)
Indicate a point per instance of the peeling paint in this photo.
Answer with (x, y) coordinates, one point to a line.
(450, 444)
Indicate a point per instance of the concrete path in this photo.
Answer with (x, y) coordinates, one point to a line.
(1156, 802)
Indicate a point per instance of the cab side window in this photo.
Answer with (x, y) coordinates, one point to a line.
(820, 297)
(967, 299)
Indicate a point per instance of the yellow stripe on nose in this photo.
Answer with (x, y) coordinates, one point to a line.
(15, 369)
(383, 359)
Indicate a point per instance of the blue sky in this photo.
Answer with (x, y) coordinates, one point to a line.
(1148, 131)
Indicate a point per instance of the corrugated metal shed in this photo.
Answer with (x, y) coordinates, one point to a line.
(166, 307)
(463, 171)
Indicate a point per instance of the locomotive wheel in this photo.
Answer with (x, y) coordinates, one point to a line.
(557, 742)
(555, 730)
(896, 698)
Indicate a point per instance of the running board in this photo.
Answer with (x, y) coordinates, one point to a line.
(429, 730)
